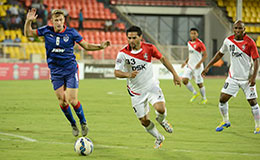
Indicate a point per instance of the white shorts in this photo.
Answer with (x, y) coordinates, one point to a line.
(232, 86)
(140, 103)
(196, 73)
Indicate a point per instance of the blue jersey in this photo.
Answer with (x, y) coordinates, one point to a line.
(59, 49)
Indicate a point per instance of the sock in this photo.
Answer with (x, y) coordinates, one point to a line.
(161, 117)
(152, 130)
(203, 92)
(67, 112)
(80, 113)
(190, 88)
(256, 114)
(223, 108)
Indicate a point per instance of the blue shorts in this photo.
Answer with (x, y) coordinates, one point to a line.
(69, 81)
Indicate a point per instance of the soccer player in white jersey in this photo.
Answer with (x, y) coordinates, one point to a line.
(134, 63)
(194, 65)
(242, 73)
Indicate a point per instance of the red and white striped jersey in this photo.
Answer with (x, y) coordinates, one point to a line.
(241, 54)
(128, 60)
(195, 52)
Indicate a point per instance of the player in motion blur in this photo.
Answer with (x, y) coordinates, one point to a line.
(59, 43)
(242, 73)
(194, 65)
(134, 63)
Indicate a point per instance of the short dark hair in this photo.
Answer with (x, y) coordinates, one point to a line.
(194, 29)
(134, 29)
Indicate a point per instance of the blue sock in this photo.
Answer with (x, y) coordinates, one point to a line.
(67, 112)
(80, 113)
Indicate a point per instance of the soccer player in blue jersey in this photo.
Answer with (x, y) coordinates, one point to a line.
(59, 43)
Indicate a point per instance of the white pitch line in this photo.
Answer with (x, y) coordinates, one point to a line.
(18, 136)
(125, 147)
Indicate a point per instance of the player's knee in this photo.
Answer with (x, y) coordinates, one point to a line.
(200, 85)
(252, 102)
(160, 110)
(73, 101)
(185, 81)
(222, 100)
(62, 101)
(145, 122)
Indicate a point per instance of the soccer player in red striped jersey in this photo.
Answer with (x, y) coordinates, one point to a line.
(134, 63)
(242, 73)
(194, 65)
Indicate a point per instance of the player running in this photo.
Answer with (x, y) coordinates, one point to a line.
(59, 42)
(134, 63)
(194, 65)
(242, 73)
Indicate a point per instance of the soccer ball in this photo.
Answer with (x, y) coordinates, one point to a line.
(83, 146)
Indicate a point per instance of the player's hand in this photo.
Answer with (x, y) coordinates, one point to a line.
(31, 15)
(177, 80)
(183, 65)
(204, 72)
(197, 66)
(133, 74)
(252, 81)
(105, 44)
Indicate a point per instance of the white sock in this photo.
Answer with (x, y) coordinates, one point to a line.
(203, 92)
(256, 114)
(161, 117)
(152, 130)
(190, 88)
(223, 108)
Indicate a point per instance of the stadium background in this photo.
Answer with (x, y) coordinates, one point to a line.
(166, 24)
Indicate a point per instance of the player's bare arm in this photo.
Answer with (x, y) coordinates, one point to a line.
(168, 65)
(204, 56)
(94, 47)
(186, 61)
(31, 16)
(121, 74)
(217, 57)
(253, 77)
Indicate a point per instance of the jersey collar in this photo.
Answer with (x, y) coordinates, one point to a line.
(65, 27)
(135, 52)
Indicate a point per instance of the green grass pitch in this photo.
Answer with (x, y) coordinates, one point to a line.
(30, 109)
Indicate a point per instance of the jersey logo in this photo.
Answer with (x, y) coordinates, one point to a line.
(51, 35)
(119, 61)
(233, 53)
(58, 50)
(243, 47)
(146, 56)
(66, 38)
(139, 67)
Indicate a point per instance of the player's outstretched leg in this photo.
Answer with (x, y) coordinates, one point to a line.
(67, 112)
(161, 113)
(80, 113)
(223, 108)
(151, 128)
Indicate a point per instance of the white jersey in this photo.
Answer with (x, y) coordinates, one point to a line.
(195, 53)
(241, 54)
(128, 61)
